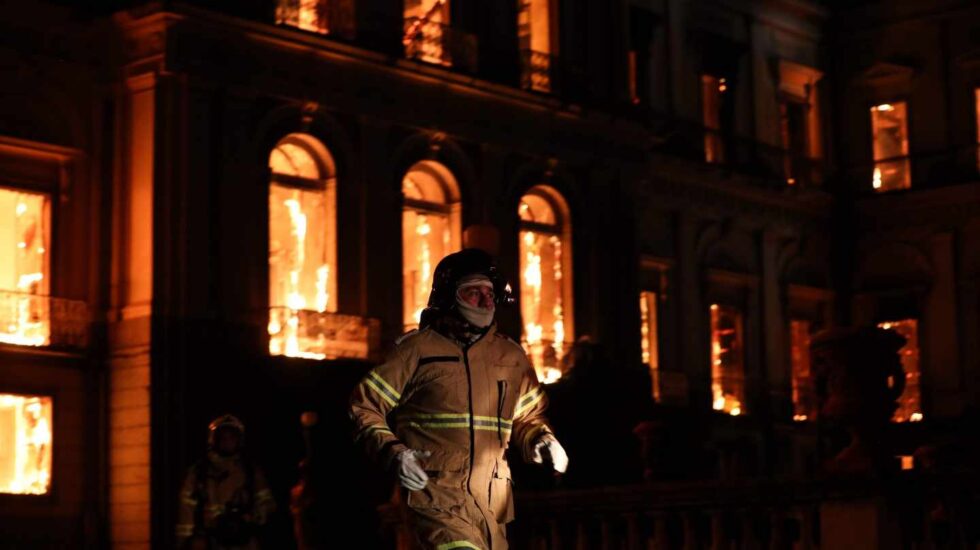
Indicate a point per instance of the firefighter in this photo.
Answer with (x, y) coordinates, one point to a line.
(224, 499)
(457, 394)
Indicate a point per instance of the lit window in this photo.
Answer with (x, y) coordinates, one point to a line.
(793, 127)
(727, 361)
(545, 256)
(430, 231)
(25, 222)
(713, 90)
(648, 339)
(534, 34)
(889, 132)
(426, 31)
(25, 444)
(302, 246)
(976, 94)
(909, 404)
(309, 15)
(804, 396)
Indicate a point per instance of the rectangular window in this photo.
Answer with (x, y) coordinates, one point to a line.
(25, 444)
(25, 222)
(793, 127)
(534, 39)
(649, 340)
(804, 396)
(976, 99)
(727, 360)
(909, 404)
(889, 131)
(426, 31)
(713, 90)
(309, 15)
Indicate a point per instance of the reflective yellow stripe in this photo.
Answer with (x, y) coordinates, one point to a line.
(377, 389)
(535, 430)
(454, 425)
(263, 495)
(386, 385)
(529, 400)
(184, 529)
(457, 544)
(189, 501)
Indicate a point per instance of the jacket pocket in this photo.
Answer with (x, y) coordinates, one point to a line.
(446, 488)
(502, 493)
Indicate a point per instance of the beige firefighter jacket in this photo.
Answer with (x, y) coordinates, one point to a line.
(205, 495)
(466, 405)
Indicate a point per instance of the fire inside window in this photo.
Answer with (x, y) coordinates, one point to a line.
(426, 31)
(727, 361)
(534, 39)
(427, 234)
(804, 396)
(713, 89)
(889, 131)
(25, 444)
(309, 15)
(648, 339)
(909, 404)
(302, 246)
(25, 221)
(544, 284)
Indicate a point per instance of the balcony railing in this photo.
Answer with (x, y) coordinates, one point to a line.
(43, 321)
(322, 335)
(925, 511)
(536, 71)
(439, 44)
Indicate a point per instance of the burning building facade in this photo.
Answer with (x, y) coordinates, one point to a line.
(208, 208)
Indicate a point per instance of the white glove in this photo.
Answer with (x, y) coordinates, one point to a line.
(547, 447)
(410, 472)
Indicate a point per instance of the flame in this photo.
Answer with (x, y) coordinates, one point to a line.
(24, 308)
(876, 178)
(800, 417)
(285, 330)
(544, 327)
(884, 107)
(724, 385)
(25, 427)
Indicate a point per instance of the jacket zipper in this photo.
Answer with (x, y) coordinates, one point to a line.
(469, 387)
(501, 396)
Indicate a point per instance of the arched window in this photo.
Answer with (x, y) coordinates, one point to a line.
(302, 245)
(430, 230)
(546, 279)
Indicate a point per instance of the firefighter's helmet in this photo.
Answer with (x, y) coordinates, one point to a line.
(452, 268)
(225, 421)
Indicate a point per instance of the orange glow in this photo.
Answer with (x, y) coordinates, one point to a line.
(909, 404)
(424, 30)
(428, 226)
(543, 286)
(648, 339)
(25, 444)
(712, 88)
(309, 15)
(534, 32)
(908, 462)
(889, 130)
(25, 317)
(976, 99)
(727, 362)
(302, 247)
(804, 398)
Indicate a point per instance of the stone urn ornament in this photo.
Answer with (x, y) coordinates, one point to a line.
(858, 377)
